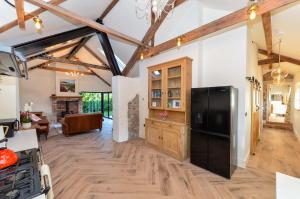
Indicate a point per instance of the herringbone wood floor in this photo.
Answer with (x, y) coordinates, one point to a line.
(277, 151)
(91, 166)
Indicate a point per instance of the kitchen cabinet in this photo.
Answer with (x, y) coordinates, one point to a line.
(169, 137)
(168, 85)
(169, 94)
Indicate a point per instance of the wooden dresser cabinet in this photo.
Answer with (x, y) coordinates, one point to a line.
(167, 126)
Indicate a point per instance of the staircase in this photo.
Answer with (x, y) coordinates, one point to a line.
(284, 126)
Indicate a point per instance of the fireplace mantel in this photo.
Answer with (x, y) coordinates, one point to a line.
(65, 98)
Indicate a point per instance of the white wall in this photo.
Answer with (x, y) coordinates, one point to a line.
(296, 113)
(124, 89)
(38, 89)
(185, 17)
(218, 60)
(42, 84)
(252, 69)
(9, 97)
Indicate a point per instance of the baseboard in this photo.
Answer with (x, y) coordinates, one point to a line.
(242, 162)
(297, 134)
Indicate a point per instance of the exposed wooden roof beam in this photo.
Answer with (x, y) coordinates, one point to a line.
(78, 63)
(147, 38)
(81, 43)
(28, 16)
(101, 78)
(275, 56)
(20, 13)
(52, 51)
(108, 9)
(74, 17)
(39, 65)
(104, 14)
(65, 70)
(101, 60)
(217, 25)
(267, 25)
(268, 61)
(39, 45)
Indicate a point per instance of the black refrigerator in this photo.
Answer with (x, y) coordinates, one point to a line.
(214, 129)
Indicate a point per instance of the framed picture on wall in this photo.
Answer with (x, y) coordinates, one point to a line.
(67, 86)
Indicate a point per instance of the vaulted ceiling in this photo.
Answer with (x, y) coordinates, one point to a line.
(285, 25)
(123, 19)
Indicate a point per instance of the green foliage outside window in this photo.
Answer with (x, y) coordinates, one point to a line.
(92, 103)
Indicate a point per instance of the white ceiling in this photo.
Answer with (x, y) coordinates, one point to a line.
(52, 24)
(286, 21)
(122, 18)
(229, 5)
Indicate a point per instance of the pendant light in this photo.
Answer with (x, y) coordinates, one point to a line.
(278, 74)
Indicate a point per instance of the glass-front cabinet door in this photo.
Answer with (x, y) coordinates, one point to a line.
(174, 88)
(156, 89)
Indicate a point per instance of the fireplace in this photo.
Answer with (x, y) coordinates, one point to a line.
(63, 105)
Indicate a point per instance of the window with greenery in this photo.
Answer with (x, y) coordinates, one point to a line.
(97, 102)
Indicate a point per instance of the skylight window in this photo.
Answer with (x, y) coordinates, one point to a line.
(121, 64)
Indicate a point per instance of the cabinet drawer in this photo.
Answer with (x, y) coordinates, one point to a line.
(164, 125)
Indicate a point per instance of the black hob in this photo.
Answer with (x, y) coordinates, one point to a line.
(22, 180)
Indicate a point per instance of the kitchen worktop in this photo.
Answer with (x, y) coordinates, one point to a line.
(23, 140)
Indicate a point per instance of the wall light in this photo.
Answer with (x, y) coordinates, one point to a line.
(179, 40)
(252, 11)
(142, 56)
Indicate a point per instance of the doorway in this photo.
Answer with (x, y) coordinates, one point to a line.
(278, 103)
(93, 102)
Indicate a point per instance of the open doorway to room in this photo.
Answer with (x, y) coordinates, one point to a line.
(278, 103)
(93, 102)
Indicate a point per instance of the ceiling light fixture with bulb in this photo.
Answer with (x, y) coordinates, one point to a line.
(145, 8)
(76, 73)
(38, 23)
(252, 11)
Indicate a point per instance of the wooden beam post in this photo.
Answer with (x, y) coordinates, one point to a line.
(28, 16)
(20, 13)
(217, 25)
(74, 17)
(267, 25)
(148, 37)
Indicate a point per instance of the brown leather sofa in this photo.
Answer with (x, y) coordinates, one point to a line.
(79, 123)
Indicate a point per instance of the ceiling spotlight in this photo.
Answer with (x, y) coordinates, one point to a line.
(252, 11)
(38, 23)
(142, 56)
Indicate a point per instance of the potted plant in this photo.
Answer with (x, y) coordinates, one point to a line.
(26, 120)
